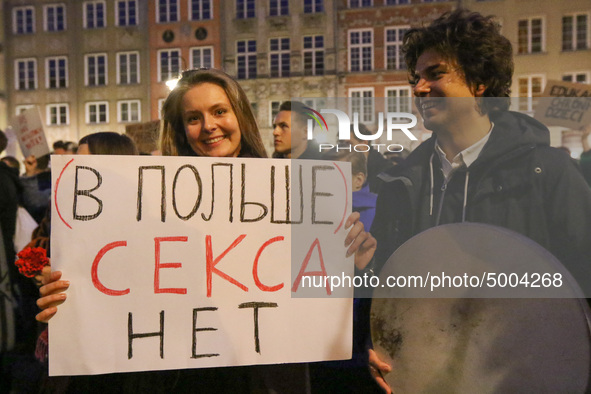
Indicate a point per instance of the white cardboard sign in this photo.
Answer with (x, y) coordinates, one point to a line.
(28, 128)
(180, 262)
(565, 104)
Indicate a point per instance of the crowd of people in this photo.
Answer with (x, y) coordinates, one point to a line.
(483, 164)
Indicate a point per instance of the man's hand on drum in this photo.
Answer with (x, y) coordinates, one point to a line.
(52, 294)
(378, 368)
(359, 242)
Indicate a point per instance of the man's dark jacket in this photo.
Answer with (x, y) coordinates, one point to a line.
(518, 182)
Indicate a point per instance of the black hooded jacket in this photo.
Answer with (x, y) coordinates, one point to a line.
(9, 197)
(518, 182)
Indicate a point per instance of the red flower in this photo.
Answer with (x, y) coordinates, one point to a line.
(31, 261)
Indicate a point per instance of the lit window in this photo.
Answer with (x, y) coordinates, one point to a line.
(530, 88)
(169, 64)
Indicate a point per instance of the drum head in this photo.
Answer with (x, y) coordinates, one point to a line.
(479, 345)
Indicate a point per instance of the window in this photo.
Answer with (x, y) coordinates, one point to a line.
(97, 112)
(128, 111)
(126, 13)
(279, 57)
(398, 99)
(360, 50)
(94, 14)
(313, 55)
(530, 35)
(245, 9)
(360, 3)
(433, 1)
(58, 114)
(56, 72)
(23, 20)
(25, 71)
(200, 9)
(530, 87)
(362, 102)
(394, 57)
(246, 59)
(22, 108)
(575, 32)
(167, 11)
(273, 111)
(169, 64)
(96, 70)
(54, 17)
(202, 57)
(313, 6)
(128, 68)
(577, 77)
(278, 7)
(397, 2)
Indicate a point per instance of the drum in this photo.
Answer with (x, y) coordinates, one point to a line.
(480, 345)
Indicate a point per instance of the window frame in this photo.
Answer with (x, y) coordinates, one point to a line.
(168, 18)
(249, 56)
(46, 8)
(127, 13)
(96, 103)
(362, 117)
(57, 106)
(574, 44)
(86, 17)
(282, 55)
(128, 67)
(48, 69)
(87, 76)
(201, 10)
(278, 7)
(200, 49)
(530, 97)
(314, 51)
(529, 36)
(313, 6)
(35, 77)
(170, 65)
(400, 65)
(245, 11)
(360, 46)
(120, 104)
(15, 26)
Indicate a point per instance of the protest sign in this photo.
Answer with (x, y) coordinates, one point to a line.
(565, 104)
(28, 128)
(180, 262)
(145, 135)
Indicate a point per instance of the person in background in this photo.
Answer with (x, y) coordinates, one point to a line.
(208, 114)
(107, 143)
(290, 133)
(36, 185)
(12, 162)
(64, 148)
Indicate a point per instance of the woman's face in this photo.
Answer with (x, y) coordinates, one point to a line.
(210, 124)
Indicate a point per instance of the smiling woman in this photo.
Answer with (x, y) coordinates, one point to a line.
(208, 114)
